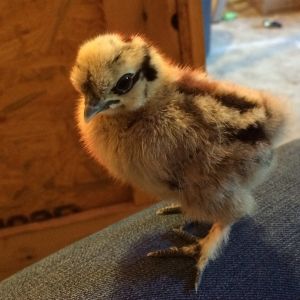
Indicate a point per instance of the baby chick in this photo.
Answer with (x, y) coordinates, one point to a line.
(175, 133)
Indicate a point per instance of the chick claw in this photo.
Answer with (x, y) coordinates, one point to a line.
(193, 250)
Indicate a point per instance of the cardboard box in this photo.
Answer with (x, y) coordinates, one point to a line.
(271, 6)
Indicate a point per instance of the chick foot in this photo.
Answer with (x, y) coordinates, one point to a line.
(200, 249)
(169, 210)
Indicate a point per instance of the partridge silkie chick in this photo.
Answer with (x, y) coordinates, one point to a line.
(176, 134)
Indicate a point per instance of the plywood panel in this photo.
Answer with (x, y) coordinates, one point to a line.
(151, 18)
(42, 163)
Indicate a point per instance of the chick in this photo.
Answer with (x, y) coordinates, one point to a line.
(176, 134)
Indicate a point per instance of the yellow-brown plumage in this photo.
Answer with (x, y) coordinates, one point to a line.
(175, 133)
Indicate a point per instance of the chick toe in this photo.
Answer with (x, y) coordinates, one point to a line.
(169, 210)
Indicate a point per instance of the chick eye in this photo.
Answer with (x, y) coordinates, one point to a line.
(124, 84)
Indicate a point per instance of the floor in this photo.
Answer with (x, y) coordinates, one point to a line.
(245, 52)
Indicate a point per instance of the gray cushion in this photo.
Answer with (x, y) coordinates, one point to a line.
(260, 261)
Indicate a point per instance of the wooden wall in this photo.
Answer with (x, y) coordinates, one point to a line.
(42, 164)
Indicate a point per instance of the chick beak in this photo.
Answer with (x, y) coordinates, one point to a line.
(90, 111)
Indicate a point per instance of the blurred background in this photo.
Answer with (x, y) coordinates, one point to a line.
(51, 192)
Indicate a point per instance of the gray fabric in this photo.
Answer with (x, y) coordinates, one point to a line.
(261, 260)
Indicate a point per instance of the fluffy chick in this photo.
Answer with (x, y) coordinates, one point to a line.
(175, 133)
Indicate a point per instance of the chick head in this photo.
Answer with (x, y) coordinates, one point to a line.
(115, 74)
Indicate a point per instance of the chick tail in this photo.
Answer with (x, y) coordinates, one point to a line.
(277, 112)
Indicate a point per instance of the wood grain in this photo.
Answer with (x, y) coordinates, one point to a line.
(42, 163)
(151, 18)
(191, 33)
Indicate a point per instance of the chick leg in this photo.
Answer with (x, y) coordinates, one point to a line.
(170, 209)
(201, 249)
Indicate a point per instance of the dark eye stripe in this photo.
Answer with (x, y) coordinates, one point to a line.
(148, 70)
(89, 88)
